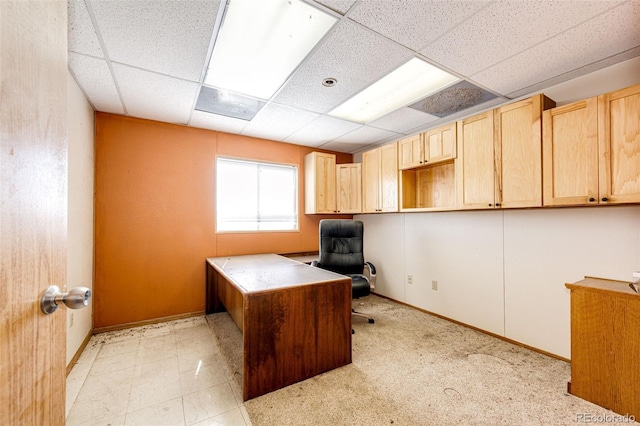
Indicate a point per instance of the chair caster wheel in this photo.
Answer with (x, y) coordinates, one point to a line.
(371, 321)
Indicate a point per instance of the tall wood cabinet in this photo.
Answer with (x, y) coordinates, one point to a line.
(592, 150)
(619, 142)
(605, 343)
(475, 172)
(319, 183)
(499, 163)
(380, 179)
(570, 152)
(349, 188)
(518, 148)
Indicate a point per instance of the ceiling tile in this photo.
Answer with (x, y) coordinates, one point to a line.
(155, 96)
(321, 130)
(277, 122)
(606, 35)
(167, 37)
(205, 120)
(94, 77)
(481, 41)
(340, 6)
(366, 135)
(403, 120)
(344, 147)
(414, 23)
(82, 36)
(353, 56)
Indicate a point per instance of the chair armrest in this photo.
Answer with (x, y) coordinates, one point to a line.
(371, 273)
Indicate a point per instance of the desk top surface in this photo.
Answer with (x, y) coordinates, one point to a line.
(620, 288)
(264, 272)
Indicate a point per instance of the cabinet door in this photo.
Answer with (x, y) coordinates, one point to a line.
(410, 152)
(349, 188)
(570, 154)
(389, 178)
(518, 136)
(371, 181)
(619, 114)
(475, 165)
(320, 183)
(440, 144)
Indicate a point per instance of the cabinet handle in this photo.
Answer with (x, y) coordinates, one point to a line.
(497, 204)
(591, 200)
(605, 199)
(490, 204)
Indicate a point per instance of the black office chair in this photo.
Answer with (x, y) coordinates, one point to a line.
(341, 251)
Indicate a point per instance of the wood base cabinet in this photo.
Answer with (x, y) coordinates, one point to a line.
(605, 343)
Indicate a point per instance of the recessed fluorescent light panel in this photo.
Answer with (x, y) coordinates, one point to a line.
(408, 83)
(261, 42)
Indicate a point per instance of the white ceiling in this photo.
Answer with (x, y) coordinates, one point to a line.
(148, 58)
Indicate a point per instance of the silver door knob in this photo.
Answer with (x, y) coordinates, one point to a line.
(76, 298)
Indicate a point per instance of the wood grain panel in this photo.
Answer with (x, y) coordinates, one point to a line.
(33, 213)
(435, 186)
(620, 146)
(605, 341)
(295, 334)
(475, 172)
(570, 154)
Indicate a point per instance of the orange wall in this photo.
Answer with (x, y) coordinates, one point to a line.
(155, 215)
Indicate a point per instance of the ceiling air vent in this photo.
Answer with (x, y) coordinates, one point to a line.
(222, 102)
(456, 98)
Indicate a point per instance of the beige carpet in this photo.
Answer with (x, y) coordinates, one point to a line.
(410, 368)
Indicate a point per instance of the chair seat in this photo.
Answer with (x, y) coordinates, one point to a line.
(359, 287)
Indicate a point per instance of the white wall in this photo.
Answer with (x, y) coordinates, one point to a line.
(80, 216)
(503, 271)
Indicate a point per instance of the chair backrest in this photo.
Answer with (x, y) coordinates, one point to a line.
(341, 248)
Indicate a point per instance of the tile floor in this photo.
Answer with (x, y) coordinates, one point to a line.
(162, 374)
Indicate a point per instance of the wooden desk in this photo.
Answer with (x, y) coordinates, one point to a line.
(295, 319)
(605, 343)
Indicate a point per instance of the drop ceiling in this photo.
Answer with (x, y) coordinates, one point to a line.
(148, 59)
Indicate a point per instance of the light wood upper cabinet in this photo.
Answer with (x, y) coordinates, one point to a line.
(619, 143)
(433, 146)
(440, 144)
(475, 171)
(410, 152)
(518, 147)
(570, 154)
(380, 179)
(349, 188)
(319, 183)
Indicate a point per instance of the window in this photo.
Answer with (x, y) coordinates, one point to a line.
(253, 196)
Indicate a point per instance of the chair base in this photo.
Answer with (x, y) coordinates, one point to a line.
(360, 314)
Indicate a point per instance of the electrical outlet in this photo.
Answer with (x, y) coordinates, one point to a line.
(409, 279)
(71, 320)
(434, 285)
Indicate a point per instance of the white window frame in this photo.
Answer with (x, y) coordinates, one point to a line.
(259, 164)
